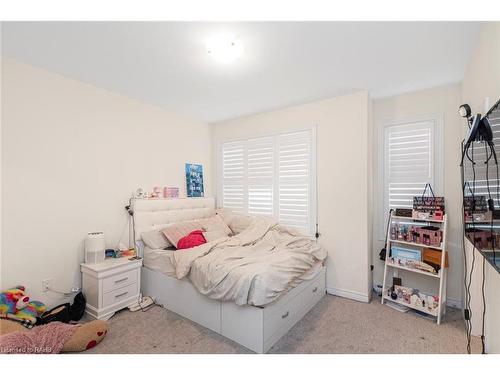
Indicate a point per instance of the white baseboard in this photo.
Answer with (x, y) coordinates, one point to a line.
(348, 294)
(456, 303)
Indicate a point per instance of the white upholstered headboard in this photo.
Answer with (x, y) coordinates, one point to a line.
(150, 214)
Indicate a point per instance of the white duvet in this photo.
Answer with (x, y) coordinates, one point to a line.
(254, 267)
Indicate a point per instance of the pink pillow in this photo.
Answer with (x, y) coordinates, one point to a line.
(193, 239)
(176, 231)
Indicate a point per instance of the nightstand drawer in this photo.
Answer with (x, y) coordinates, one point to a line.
(119, 295)
(119, 280)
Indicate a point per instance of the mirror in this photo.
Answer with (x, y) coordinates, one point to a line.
(480, 175)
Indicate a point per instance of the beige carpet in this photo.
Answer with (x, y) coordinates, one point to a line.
(334, 325)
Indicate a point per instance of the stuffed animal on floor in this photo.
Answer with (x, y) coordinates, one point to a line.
(15, 302)
(54, 337)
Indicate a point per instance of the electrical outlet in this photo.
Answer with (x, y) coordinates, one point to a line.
(46, 285)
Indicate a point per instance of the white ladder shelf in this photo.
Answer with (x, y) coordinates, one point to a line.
(396, 268)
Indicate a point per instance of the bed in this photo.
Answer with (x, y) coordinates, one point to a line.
(255, 327)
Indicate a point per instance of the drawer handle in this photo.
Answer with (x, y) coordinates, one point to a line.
(121, 280)
(315, 289)
(285, 315)
(121, 294)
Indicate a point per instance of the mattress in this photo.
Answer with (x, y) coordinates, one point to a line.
(159, 260)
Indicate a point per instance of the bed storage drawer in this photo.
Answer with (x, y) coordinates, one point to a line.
(283, 319)
(315, 290)
(280, 317)
(119, 280)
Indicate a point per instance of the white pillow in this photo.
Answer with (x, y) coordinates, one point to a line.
(214, 235)
(215, 224)
(174, 232)
(235, 221)
(155, 240)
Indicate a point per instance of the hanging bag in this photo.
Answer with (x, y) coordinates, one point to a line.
(428, 206)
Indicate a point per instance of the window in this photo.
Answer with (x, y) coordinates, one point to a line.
(272, 176)
(411, 158)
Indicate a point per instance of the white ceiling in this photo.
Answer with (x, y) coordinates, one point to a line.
(285, 63)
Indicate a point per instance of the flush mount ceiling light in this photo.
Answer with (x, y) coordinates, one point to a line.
(225, 48)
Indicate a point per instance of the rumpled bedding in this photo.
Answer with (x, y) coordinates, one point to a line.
(254, 267)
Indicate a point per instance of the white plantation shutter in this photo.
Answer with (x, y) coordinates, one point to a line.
(271, 176)
(260, 176)
(233, 176)
(294, 172)
(410, 161)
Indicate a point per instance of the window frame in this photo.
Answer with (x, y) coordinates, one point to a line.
(313, 199)
(438, 161)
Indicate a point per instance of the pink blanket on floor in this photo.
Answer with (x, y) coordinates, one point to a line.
(44, 339)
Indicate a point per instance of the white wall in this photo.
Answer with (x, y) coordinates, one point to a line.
(442, 102)
(343, 153)
(71, 156)
(482, 80)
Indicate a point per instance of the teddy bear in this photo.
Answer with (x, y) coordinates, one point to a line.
(16, 303)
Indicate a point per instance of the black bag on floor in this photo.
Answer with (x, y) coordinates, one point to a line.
(65, 312)
(77, 309)
(57, 314)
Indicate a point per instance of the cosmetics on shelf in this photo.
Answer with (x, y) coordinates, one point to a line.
(416, 247)
(428, 235)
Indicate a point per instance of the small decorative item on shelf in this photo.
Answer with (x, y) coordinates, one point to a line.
(170, 192)
(414, 264)
(139, 193)
(404, 212)
(428, 207)
(433, 257)
(415, 298)
(156, 192)
(405, 253)
(426, 235)
(430, 235)
(438, 215)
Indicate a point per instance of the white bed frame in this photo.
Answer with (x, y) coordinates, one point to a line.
(257, 328)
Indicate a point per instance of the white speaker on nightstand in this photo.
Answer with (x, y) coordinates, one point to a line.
(94, 248)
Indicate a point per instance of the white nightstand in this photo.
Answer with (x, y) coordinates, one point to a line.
(110, 286)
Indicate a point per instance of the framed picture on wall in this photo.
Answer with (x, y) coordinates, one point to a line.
(194, 180)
